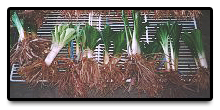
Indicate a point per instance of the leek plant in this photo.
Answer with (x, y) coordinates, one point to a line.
(42, 69)
(28, 47)
(127, 31)
(112, 75)
(69, 84)
(138, 66)
(165, 33)
(106, 35)
(19, 26)
(77, 37)
(90, 39)
(133, 37)
(168, 36)
(62, 35)
(89, 72)
(119, 45)
(175, 45)
(194, 42)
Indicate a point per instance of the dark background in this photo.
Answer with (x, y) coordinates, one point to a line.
(204, 25)
(21, 90)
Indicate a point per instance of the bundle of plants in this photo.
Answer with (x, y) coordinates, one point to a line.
(70, 84)
(47, 69)
(78, 39)
(168, 37)
(29, 47)
(111, 73)
(194, 42)
(141, 74)
(88, 68)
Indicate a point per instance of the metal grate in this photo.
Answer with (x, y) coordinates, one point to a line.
(187, 66)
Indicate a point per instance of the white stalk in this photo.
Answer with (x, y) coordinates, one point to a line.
(172, 57)
(135, 47)
(128, 44)
(77, 52)
(21, 37)
(129, 50)
(167, 62)
(202, 60)
(53, 53)
(77, 49)
(165, 49)
(106, 57)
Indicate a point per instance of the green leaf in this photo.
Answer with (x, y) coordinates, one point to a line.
(119, 43)
(139, 27)
(107, 34)
(91, 37)
(175, 35)
(68, 35)
(162, 35)
(62, 34)
(152, 47)
(194, 42)
(17, 23)
(127, 29)
(53, 36)
(57, 36)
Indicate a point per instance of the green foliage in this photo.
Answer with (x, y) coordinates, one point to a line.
(119, 43)
(153, 47)
(139, 26)
(17, 23)
(106, 36)
(127, 29)
(166, 32)
(162, 36)
(194, 42)
(62, 34)
(175, 35)
(90, 37)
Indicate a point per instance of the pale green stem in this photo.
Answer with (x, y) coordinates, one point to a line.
(172, 57)
(106, 57)
(165, 49)
(77, 49)
(53, 53)
(202, 60)
(135, 45)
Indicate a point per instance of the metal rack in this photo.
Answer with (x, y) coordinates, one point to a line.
(187, 66)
